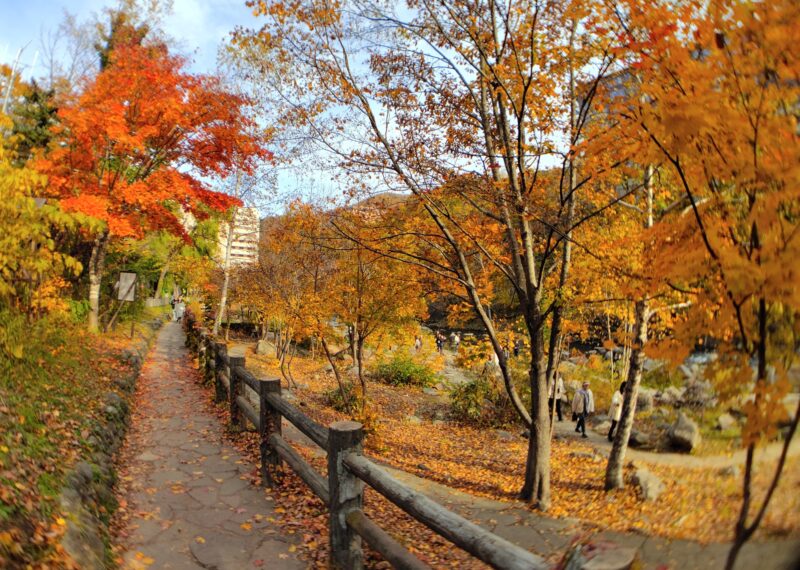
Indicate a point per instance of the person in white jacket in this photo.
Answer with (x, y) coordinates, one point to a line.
(615, 410)
(582, 406)
(557, 392)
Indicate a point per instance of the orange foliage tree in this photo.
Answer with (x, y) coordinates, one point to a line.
(478, 96)
(717, 101)
(132, 148)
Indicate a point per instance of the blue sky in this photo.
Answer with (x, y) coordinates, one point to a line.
(199, 26)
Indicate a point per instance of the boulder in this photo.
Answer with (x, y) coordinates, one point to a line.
(726, 422)
(603, 555)
(684, 434)
(430, 391)
(790, 403)
(638, 439)
(700, 394)
(645, 399)
(732, 471)
(649, 485)
(505, 435)
(603, 427)
(413, 420)
(672, 396)
(651, 364)
(262, 347)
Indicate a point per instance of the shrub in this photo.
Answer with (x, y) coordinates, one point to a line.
(402, 370)
(78, 310)
(340, 403)
(482, 402)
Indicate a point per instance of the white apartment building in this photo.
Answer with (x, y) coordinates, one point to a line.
(244, 242)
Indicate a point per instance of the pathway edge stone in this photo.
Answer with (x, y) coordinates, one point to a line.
(87, 498)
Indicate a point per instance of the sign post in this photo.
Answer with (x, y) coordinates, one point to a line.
(126, 293)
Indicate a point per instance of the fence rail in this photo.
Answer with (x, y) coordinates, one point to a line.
(348, 470)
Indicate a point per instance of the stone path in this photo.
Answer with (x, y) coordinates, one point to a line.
(598, 440)
(190, 493)
(550, 537)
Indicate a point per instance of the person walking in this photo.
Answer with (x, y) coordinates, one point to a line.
(439, 342)
(556, 393)
(456, 341)
(417, 343)
(582, 406)
(615, 410)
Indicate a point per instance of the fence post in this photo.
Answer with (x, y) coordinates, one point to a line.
(346, 493)
(190, 331)
(211, 361)
(270, 420)
(220, 350)
(201, 353)
(236, 389)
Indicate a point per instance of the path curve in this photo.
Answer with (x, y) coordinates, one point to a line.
(190, 493)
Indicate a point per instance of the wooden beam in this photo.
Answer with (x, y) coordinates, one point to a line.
(300, 466)
(313, 430)
(488, 547)
(394, 552)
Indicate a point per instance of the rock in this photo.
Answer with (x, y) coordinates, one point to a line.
(599, 419)
(726, 422)
(649, 485)
(603, 427)
(672, 396)
(582, 454)
(504, 435)
(684, 433)
(688, 373)
(113, 399)
(650, 364)
(620, 558)
(645, 399)
(525, 434)
(430, 391)
(262, 347)
(413, 420)
(604, 555)
(732, 471)
(638, 439)
(790, 403)
(699, 394)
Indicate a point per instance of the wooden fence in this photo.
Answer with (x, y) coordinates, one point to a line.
(348, 470)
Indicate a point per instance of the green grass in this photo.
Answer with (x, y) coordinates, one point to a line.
(48, 398)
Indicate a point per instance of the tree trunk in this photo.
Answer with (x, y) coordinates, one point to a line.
(536, 488)
(226, 270)
(161, 276)
(336, 374)
(361, 379)
(96, 266)
(616, 459)
(226, 264)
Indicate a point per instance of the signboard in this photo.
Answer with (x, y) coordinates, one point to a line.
(126, 290)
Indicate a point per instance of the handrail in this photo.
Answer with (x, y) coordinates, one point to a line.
(394, 552)
(484, 545)
(317, 433)
(300, 466)
(348, 470)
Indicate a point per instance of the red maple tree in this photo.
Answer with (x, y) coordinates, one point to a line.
(134, 148)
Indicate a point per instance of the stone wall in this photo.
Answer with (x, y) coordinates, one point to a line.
(87, 499)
